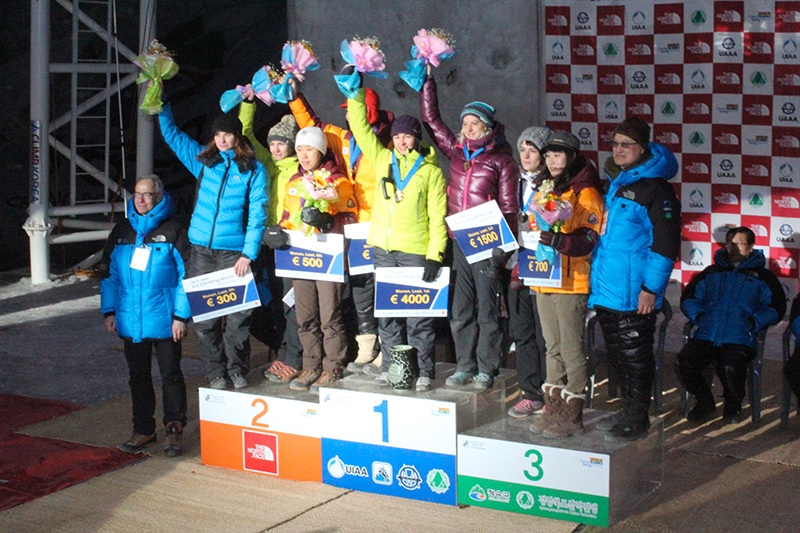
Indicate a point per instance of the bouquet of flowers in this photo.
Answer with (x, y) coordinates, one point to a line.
(157, 65)
(365, 55)
(318, 191)
(297, 58)
(550, 211)
(430, 47)
(263, 80)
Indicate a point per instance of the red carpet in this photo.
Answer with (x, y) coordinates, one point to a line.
(31, 467)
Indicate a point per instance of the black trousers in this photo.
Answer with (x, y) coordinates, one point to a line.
(730, 362)
(139, 357)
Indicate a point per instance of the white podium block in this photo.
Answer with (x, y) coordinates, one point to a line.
(399, 443)
(267, 428)
(584, 478)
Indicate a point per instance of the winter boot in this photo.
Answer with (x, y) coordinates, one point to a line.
(552, 407)
(571, 420)
(733, 379)
(374, 368)
(368, 349)
(174, 445)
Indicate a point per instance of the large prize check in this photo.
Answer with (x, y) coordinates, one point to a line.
(359, 253)
(534, 272)
(400, 292)
(481, 229)
(220, 293)
(319, 257)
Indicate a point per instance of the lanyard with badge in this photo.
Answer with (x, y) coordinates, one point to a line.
(141, 255)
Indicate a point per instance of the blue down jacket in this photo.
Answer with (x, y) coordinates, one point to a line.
(640, 237)
(731, 304)
(229, 211)
(146, 302)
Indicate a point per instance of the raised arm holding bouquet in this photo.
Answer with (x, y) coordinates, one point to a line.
(297, 58)
(157, 65)
(263, 80)
(430, 48)
(364, 56)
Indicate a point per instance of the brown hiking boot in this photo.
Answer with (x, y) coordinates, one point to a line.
(571, 420)
(305, 379)
(173, 446)
(326, 379)
(138, 442)
(552, 408)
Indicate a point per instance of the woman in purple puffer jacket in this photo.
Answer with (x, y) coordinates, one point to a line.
(482, 169)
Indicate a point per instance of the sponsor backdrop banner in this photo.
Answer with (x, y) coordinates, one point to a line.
(719, 81)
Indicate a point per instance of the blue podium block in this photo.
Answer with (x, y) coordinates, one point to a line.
(400, 443)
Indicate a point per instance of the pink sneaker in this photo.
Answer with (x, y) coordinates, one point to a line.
(526, 407)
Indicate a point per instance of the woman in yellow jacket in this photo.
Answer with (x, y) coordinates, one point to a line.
(563, 309)
(407, 227)
(280, 329)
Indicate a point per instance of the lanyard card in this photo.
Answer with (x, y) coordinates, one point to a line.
(141, 254)
(400, 292)
(359, 253)
(220, 293)
(319, 257)
(479, 230)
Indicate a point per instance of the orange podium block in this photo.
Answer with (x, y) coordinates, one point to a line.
(253, 432)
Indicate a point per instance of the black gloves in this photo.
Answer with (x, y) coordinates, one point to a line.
(275, 237)
(500, 257)
(314, 217)
(548, 238)
(497, 263)
(431, 270)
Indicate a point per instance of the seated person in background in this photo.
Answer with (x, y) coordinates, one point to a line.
(729, 302)
(792, 367)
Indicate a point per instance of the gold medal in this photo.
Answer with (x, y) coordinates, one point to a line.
(398, 196)
(467, 164)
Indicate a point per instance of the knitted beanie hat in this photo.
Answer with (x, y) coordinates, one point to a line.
(482, 110)
(561, 141)
(536, 135)
(635, 128)
(311, 136)
(227, 122)
(284, 131)
(407, 124)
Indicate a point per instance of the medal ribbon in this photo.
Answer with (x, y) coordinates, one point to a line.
(355, 152)
(475, 154)
(399, 181)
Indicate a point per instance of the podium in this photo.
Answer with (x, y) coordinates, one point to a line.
(268, 428)
(584, 478)
(401, 443)
(449, 446)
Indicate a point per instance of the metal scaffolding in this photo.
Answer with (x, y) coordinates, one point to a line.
(100, 68)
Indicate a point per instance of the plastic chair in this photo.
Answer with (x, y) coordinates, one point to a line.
(753, 374)
(596, 355)
(786, 392)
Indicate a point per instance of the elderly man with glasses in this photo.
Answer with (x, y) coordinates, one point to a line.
(639, 241)
(730, 302)
(143, 302)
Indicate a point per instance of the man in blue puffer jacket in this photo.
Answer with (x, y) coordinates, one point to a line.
(729, 302)
(143, 301)
(225, 231)
(639, 241)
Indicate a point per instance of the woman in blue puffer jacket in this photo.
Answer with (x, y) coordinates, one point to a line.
(225, 231)
(143, 301)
